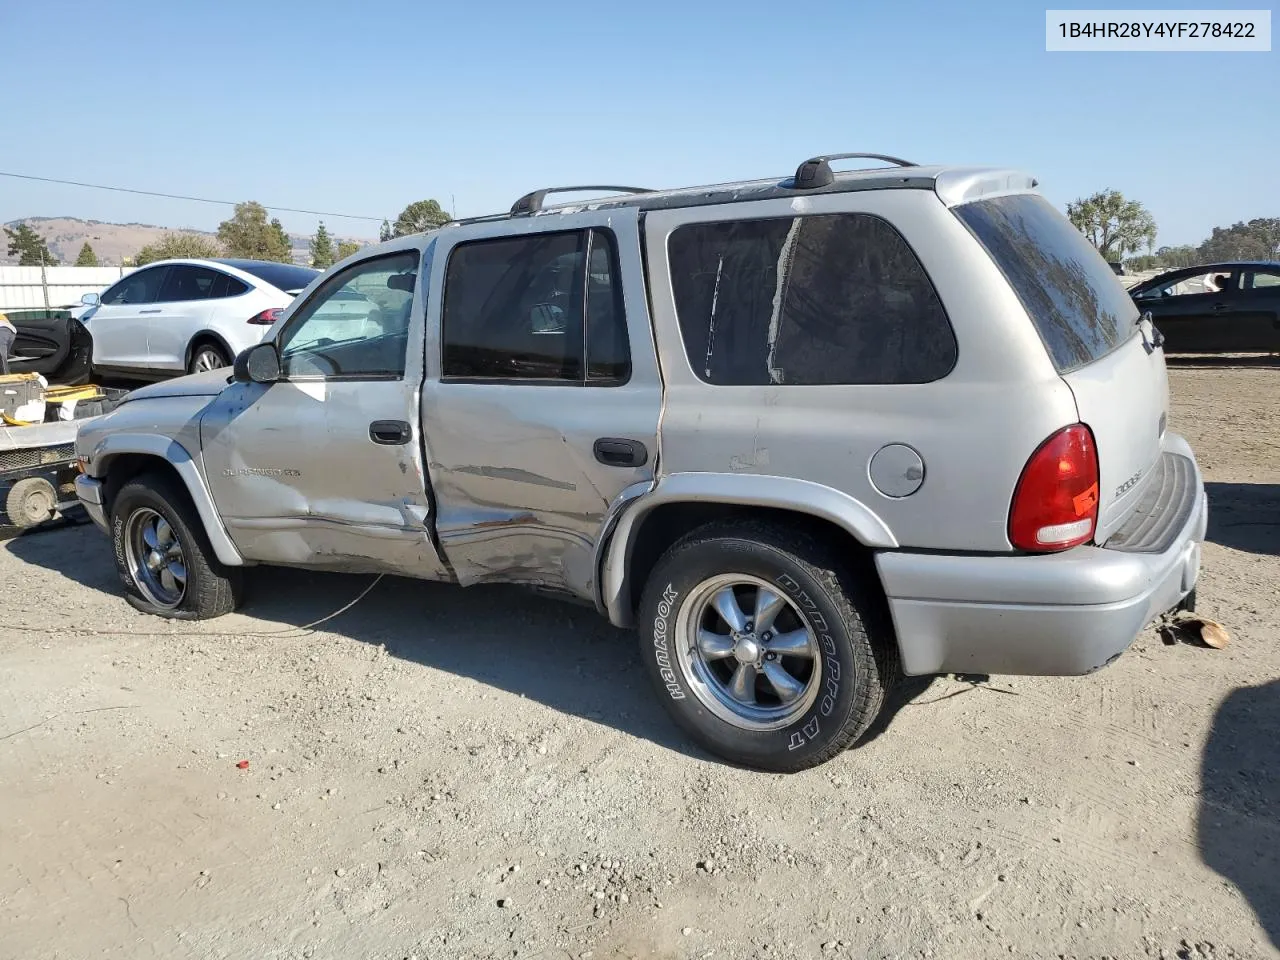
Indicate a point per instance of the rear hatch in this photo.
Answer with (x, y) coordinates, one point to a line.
(1091, 331)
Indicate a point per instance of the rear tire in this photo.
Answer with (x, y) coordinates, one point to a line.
(785, 693)
(206, 357)
(163, 555)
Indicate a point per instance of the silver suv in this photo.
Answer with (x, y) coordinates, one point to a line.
(807, 434)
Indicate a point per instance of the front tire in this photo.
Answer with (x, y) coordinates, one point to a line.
(206, 357)
(163, 555)
(764, 646)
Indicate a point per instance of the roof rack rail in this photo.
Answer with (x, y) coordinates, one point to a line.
(816, 172)
(531, 203)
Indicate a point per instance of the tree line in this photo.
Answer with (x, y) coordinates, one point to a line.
(247, 234)
(1119, 228)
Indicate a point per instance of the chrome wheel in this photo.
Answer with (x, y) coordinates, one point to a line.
(155, 558)
(748, 652)
(206, 359)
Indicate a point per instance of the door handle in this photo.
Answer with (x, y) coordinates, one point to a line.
(157, 310)
(1220, 306)
(619, 452)
(390, 432)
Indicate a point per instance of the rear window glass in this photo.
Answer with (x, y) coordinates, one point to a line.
(282, 276)
(1077, 304)
(825, 299)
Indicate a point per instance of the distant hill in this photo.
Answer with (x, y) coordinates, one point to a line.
(112, 242)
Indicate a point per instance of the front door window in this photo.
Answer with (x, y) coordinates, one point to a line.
(356, 324)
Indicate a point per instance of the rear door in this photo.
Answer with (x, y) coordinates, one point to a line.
(119, 322)
(1091, 331)
(1258, 310)
(542, 395)
(182, 310)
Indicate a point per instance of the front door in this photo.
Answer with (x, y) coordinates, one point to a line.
(542, 396)
(1188, 311)
(325, 467)
(184, 307)
(119, 323)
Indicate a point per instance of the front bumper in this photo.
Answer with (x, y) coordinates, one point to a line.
(89, 490)
(1059, 614)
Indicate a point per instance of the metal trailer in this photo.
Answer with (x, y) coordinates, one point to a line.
(38, 460)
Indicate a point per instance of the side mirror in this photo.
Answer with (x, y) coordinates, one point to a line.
(91, 299)
(258, 364)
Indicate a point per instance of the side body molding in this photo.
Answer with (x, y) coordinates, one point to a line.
(148, 444)
(783, 493)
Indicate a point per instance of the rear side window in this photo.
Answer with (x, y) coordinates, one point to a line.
(227, 286)
(826, 299)
(186, 283)
(1080, 309)
(542, 307)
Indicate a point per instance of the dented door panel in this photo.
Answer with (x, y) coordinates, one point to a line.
(519, 493)
(299, 481)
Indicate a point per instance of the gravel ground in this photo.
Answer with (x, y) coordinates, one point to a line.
(447, 773)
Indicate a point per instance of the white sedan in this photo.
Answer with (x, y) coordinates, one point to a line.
(187, 316)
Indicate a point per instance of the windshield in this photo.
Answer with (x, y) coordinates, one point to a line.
(1079, 307)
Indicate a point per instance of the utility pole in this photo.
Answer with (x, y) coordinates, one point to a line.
(44, 280)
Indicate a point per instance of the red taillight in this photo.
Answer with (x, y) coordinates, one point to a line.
(1055, 505)
(267, 317)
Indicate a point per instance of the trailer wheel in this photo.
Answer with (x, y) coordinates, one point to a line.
(31, 502)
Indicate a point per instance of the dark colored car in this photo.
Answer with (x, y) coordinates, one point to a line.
(1215, 307)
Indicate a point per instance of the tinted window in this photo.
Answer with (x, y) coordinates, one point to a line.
(1268, 280)
(608, 348)
(185, 283)
(356, 324)
(829, 299)
(282, 276)
(1214, 281)
(228, 286)
(1080, 309)
(141, 286)
(513, 309)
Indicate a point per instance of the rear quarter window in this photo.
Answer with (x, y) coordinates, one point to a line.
(1080, 309)
(822, 299)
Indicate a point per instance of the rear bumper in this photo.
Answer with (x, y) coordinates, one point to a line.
(1061, 614)
(89, 491)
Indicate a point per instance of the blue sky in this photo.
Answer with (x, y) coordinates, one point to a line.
(362, 108)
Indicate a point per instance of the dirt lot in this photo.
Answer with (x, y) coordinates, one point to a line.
(446, 773)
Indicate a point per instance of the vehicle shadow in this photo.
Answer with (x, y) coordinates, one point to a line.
(559, 654)
(1245, 516)
(1218, 360)
(1238, 821)
(562, 655)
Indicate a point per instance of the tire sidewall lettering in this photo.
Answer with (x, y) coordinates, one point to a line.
(117, 543)
(667, 605)
(811, 727)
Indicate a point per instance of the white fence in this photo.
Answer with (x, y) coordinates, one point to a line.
(53, 287)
